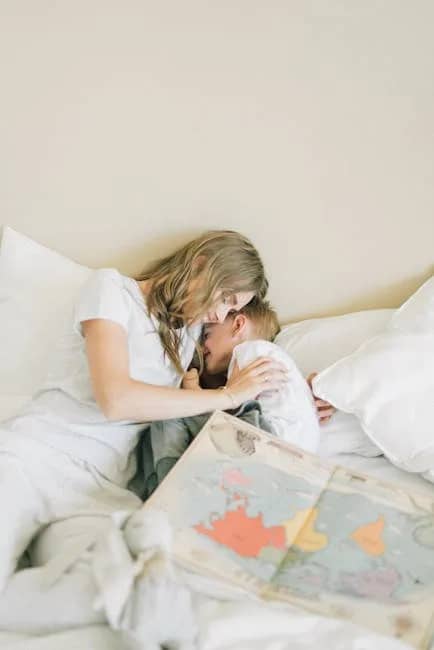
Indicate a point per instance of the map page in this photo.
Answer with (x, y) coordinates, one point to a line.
(262, 515)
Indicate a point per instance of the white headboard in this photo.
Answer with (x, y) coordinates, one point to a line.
(130, 127)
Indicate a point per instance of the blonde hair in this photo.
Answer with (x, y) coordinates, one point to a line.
(223, 259)
(263, 317)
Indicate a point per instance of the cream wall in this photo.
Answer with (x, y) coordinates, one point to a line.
(128, 126)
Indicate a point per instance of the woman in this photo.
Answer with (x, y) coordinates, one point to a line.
(118, 364)
(201, 282)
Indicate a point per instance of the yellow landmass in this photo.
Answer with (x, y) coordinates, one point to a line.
(299, 531)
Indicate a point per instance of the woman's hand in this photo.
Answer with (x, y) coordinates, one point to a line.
(260, 375)
(324, 409)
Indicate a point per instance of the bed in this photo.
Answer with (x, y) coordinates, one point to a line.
(243, 625)
(29, 320)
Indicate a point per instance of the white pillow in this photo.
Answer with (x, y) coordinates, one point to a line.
(10, 405)
(37, 290)
(316, 344)
(388, 383)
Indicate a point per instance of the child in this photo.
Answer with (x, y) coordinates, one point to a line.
(243, 337)
(228, 348)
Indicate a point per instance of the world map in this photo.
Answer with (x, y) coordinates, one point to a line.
(344, 543)
(278, 521)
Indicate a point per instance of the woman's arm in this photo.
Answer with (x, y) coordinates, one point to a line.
(122, 398)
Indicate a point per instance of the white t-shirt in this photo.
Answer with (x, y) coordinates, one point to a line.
(291, 410)
(64, 413)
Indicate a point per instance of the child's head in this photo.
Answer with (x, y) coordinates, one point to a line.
(257, 320)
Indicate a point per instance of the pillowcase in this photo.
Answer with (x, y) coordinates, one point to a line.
(10, 405)
(38, 288)
(316, 344)
(388, 383)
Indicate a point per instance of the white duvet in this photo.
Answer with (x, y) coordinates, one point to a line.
(238, 625)
(230, 626)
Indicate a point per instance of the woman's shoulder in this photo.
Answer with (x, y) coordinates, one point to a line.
(104, 295)
(105, 280)
(106, 274)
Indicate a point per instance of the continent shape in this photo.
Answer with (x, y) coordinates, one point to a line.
(300, 531)
(378, 583)
(368, 537)
(245, 535)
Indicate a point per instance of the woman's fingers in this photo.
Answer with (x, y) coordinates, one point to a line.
(268, 371)
(261, 375)
(268, 367)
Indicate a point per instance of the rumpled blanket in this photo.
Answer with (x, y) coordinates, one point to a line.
(138, 586)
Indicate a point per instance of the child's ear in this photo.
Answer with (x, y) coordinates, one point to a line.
(239, 325)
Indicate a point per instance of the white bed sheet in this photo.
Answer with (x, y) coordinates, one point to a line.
(241, 625)
(383, 469)
(229, 626)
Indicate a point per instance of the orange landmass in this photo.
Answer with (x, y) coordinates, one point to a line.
(245, 535)
(368, 537)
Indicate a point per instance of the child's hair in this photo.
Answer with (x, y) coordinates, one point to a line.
(263, 317)
(225, 260)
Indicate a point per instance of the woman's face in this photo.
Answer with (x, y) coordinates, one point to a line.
(224, 304)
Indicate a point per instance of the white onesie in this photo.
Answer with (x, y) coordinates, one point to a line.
(291, 410)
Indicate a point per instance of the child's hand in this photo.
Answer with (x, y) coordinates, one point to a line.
(324, 409)
(191, 380)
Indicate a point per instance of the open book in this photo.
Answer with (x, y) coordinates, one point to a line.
(266, 517)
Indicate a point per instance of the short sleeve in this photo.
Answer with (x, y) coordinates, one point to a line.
(103, 296)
